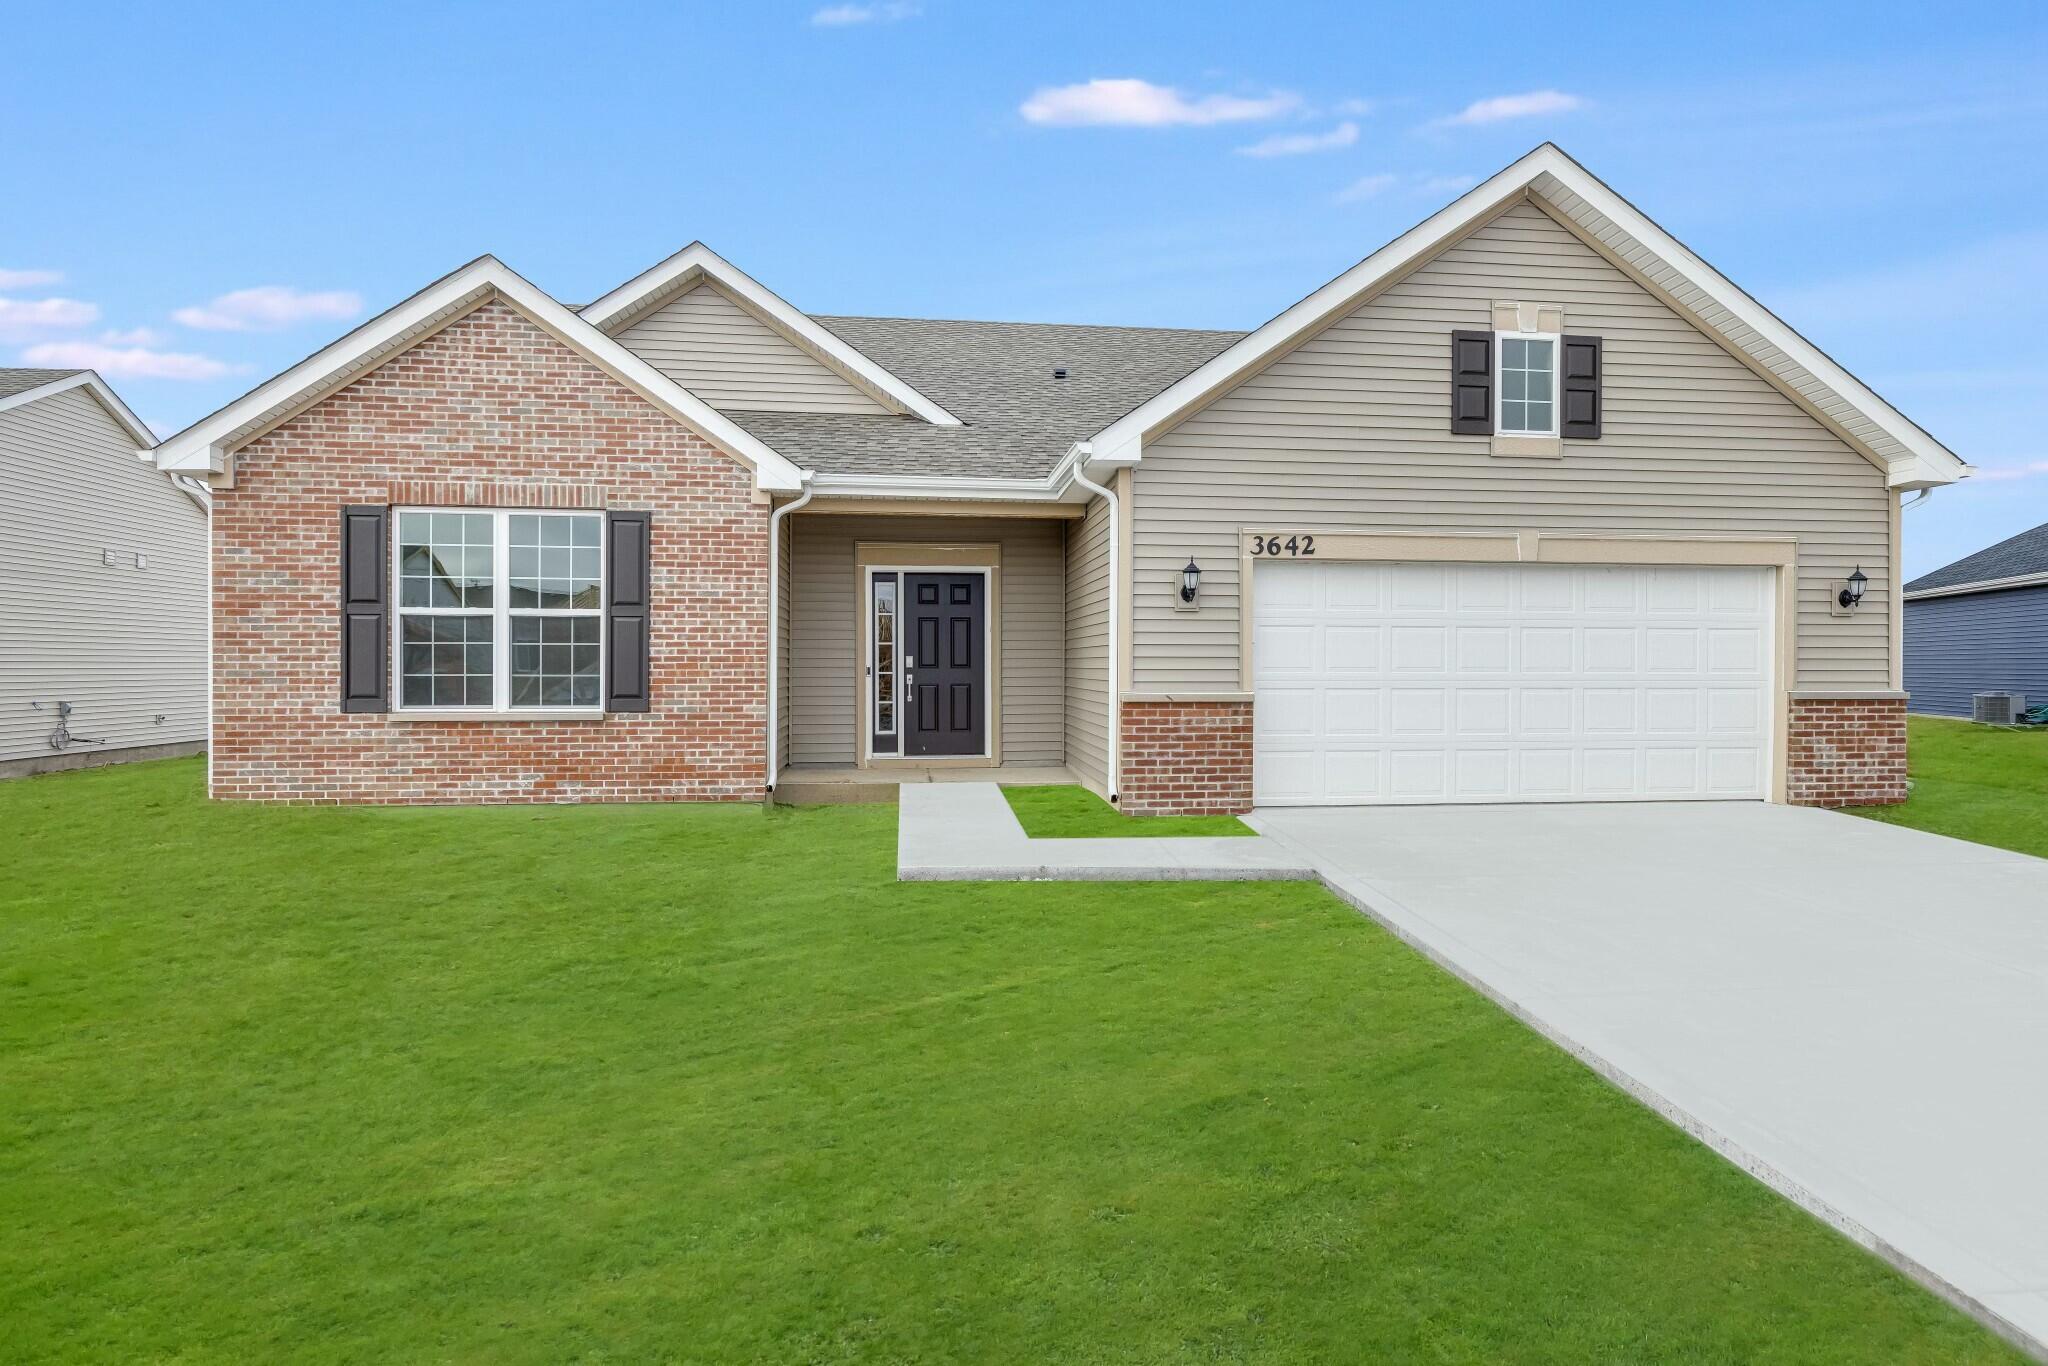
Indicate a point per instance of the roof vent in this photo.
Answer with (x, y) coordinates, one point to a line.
(1059, 372)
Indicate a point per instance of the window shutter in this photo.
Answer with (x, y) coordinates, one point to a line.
(1579, 389)
(627, 596)
(1472, 383)
(365, 609)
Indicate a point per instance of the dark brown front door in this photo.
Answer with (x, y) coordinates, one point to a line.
(945, 672)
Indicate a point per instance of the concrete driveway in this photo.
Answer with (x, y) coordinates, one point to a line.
(1856, 1013)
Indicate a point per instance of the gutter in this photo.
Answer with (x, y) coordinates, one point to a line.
(1076, 467)
(775, 623)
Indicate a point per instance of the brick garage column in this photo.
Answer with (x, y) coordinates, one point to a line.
(1186, 758)
(1846, 751)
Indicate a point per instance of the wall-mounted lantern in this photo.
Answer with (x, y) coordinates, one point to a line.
(1852, 591)
(1190, 581)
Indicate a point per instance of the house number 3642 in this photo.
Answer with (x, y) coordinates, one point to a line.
(1293, 545)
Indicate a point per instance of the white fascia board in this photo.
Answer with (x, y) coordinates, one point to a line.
(699, 260)
(203, 447)
(1043, 490)
(1979, 586)
(89, 380)
(1933, 463)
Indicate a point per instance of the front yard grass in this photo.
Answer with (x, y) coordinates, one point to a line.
(1982, 783)
(1069, 811)
(535, 1085)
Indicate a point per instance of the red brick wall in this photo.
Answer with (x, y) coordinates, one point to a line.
(1186, 758)
(490, 411)
(1846, 752)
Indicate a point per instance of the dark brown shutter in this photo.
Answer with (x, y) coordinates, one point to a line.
(627, 595)
(1579, 389)
(365, 609)
(1472, 383)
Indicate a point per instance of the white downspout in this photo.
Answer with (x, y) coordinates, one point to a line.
(1109, 501)
(775, 625)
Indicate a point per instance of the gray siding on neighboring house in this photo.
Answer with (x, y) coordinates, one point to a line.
(1351, 430)
(825, 677)
(121, 644)
(1976, 642)
(1088, 646)
(731, 359)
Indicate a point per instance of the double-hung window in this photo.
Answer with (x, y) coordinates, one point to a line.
(499, 611)
(1528, 385)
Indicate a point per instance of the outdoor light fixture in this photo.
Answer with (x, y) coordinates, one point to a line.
(1852, 591)
(1190, 580)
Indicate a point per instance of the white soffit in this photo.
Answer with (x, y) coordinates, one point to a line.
(656, 285)
(204, 446)
(1911, 457)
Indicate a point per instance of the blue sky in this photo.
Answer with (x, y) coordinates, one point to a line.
(1873, 172)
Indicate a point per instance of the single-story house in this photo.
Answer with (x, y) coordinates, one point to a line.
(103, 639)
(1980, 625)
(1531, 504)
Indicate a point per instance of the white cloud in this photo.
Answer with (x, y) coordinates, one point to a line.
(843, 16)
(2028, 470)
(1368, 186)
(1132, 103)
(1355, 107)
(1299, 144)
(1445, 184)
(269, 308)
(131, 362)
(133, 336)
(26, 319)
(29, 279)
(1501, 108)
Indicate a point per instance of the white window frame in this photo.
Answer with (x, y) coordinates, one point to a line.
(501, 614)
(1500, 357)
(894, 730)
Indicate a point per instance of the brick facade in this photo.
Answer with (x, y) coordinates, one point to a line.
(1846, 752)
(491, 411)
(1186, 758)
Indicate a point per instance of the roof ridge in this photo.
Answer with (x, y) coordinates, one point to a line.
(1002, 322)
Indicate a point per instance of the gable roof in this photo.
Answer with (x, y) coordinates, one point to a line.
(1911, 458)
(21, 387)
(698, 263)
(2013, 563)
(204, 447)
(1018, 421)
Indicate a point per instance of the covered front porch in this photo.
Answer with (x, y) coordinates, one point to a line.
(924, 646)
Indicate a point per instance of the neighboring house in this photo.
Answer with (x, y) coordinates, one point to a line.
(103, 638)
(1980, 625)
(1529, 505)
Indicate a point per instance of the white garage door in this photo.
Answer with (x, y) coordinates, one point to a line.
(1509, 683)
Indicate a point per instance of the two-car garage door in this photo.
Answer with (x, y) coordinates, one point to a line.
(1403, 682)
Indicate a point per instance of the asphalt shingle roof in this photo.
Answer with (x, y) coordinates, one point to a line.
(2026, 553)
(14, 382)
(997, 378)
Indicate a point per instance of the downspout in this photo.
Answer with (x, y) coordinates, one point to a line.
(1109, 501)
(775, 625)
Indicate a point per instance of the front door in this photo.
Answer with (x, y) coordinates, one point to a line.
(945, 667)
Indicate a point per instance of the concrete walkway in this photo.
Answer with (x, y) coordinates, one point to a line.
(966, 832)
(1856, 1013)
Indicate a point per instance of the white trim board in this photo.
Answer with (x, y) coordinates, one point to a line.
(1911, 458)
(696, 262)
(205, 446)
(1976, 586)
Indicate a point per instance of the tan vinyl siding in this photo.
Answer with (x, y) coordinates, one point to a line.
(825, 678)
(1351, 430)
(731, 359)
(121, 644)
(1088, 646)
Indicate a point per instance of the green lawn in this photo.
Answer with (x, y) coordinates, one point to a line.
(626, 1084)
(1071, 812)
(1981, 783)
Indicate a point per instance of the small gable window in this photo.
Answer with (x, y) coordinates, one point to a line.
(1528, 385)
